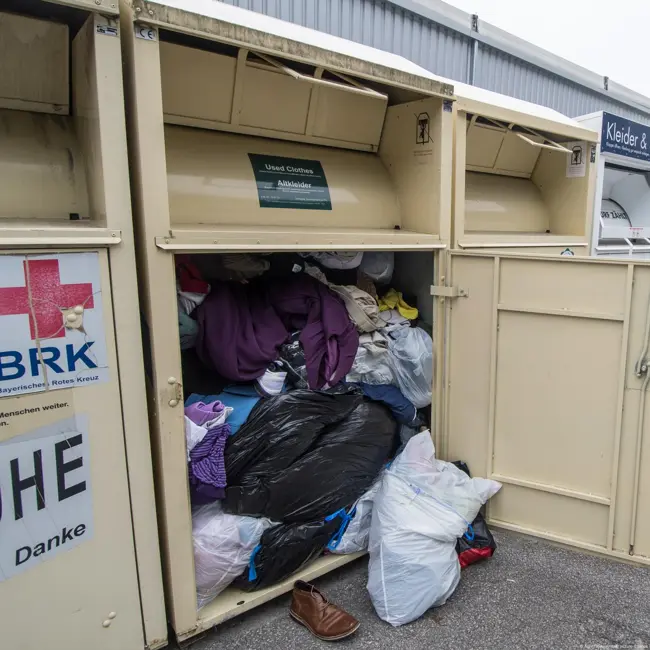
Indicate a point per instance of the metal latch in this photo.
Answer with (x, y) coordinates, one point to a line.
(448, 292)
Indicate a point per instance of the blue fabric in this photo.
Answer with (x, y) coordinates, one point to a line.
(346, 518)
(242, 399)
(403, 411)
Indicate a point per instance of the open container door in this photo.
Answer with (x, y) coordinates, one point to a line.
(524, 176)
(621, 224)
(79, 555)
(547, 378)
(251, 135)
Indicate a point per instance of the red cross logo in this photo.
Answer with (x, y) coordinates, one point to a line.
(49, 297)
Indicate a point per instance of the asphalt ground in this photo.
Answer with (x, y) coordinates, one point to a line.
(531, 594)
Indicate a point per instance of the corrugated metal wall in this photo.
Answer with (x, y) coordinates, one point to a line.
(508, 75)
(442, 50)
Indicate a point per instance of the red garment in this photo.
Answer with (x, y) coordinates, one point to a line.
(472, 555)
(189, 277)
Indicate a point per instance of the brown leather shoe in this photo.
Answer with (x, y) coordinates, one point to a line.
(323, 619)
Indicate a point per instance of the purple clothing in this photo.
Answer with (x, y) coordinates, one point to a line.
(242, 326)
(200, 413)
(207, 469)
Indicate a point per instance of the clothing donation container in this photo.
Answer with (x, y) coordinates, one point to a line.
(249, 135)
(79, 554)
(523, 176)
(546, 358)
(621, 222)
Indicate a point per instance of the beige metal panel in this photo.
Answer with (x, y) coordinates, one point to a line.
(211, 181)
(42, 172)
(569, 200)
(74, 592)
(99, 107)
(528, 434)
(510, 116)
(535, 512)
(86, 120)
(402, 75)
(517, 155)
(552, 245)
(552, 285)
(342, 115)
(632, 532)
(468, 373)
(483, 144)
(272, 100)
(196, 83)
(550, 204)
(420, 168)
(158, 295)
(541, 358)
(504, 204)
(641, 488)
(107, 7)
(33, 64)
(625, 483)
(266, 239)
(53, 234)
(246, 96)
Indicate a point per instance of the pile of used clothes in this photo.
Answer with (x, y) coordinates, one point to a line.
(307, 374)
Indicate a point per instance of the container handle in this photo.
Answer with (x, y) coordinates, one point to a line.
(553, 146)
(354, 86)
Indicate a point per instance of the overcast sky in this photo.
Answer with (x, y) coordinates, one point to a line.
(610, 37)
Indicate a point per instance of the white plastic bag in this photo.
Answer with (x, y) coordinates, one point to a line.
(355, 537)
(223, 545)
(412, 361)
(422, 507)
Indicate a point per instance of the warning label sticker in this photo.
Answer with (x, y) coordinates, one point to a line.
(52, 323)
(46, 504)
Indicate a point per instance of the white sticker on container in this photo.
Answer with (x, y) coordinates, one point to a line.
(576, 161)
(567, 252)
(46, 504)
(52, 323)
(145, 33)
(107, 30)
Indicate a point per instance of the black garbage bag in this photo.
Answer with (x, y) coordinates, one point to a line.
(477, 543)
(285, 549)
(280, 429)
(341, 463)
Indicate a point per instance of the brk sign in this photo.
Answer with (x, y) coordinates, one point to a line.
(52, 323)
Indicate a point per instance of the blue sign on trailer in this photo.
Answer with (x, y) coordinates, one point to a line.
(625, 137)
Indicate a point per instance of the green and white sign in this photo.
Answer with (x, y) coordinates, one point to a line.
(290, 183)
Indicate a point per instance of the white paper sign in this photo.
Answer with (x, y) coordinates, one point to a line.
(576, 161)
(52, 322)
(46, 504)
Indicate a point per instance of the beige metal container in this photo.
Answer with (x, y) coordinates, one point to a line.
(535, 380)
(204, 94)
(79, 554)
(524, 176)
(547, 370)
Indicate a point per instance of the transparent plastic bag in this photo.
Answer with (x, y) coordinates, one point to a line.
(223, 545)
(355, 536)
(422, 507)
(378, 265)
(412, 360)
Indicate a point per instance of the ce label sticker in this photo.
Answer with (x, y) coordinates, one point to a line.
(146, 33)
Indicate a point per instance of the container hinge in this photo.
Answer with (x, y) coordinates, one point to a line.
(448, 292)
